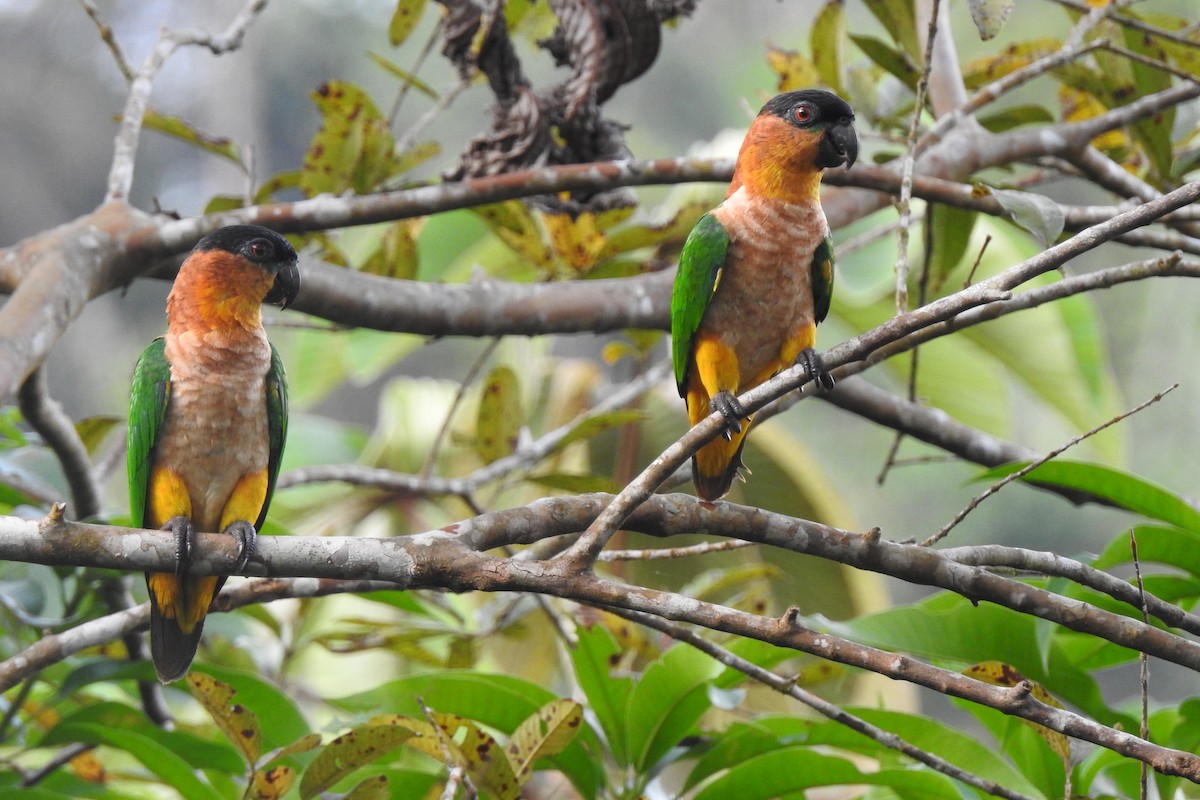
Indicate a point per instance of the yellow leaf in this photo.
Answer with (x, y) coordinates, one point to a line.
(980, 71)
(237, 722)
(999, 673)
(404, 20)
(795, 70)
(499, 421)
(354, 149)
(577, 242)
(546, 733)
(1078, 105)
(271, 784)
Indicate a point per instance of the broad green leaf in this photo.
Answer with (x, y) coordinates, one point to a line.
(1036, 213)
(666, 703)
(1154, 133)
(788, 771)
(546, 733)
(1014, 117)
(948, 234)
(355, 748)
(951, 630)
(176, 127)
(1155, 544)
(94, 430)
(598, 423)
(404, 20)
(1120, 488)
(825, 39)
(594, 657)
(269, 702)
(376, 788)
(498, 423)
(146, 748)
(899, 20)
(238, 723)
(989, 16)
(354, 149)
(894, 62)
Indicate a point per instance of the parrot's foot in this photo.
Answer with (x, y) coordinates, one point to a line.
(810, 359)
(185, 541)
(247, 539)
(731, 410)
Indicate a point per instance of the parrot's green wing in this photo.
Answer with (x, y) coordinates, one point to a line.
(147, 409)
(700, 265)
(822, 279)
(277, 419)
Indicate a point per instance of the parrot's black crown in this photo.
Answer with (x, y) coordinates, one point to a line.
(252, 242)
(830, 108)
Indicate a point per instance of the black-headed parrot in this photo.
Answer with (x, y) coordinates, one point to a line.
(207, 422)
(756, 273)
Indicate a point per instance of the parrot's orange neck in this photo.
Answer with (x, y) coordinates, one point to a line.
(777, 162)
(218, 291)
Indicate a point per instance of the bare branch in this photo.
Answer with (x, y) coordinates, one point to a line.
(58, 432)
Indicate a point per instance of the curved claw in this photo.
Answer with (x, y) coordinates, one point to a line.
(247, 539)
(811, 360)
(731, 410)
(185, 541)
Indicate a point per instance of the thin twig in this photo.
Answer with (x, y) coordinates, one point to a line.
(110, 41)
(468, 379)
(660, 553)
(995, 487)
(1143, 662)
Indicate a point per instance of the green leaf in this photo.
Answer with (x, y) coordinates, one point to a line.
(404, 20)
(1120, 488)
(355, 748)
(1015, 117)
(1155, 544)
(1036, 213)
(666, 703)
(949, 234)
(239, 724)
(154, 756)
(898, 19)
(93, 431)
(825, 39)
(375, 788)
(788, 771)
(173, 126)
(396, 253)
(594, 657)
(268, 701)
(894, 62)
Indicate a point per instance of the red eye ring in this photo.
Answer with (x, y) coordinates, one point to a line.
(803, 113)
(259, 249)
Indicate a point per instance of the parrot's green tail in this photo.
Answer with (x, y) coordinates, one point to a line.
(170, 647)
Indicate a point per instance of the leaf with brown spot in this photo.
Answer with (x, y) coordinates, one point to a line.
(499, 419)
(999, 673)
(353, 749)
(354, 150)
(176, 127)
(795, 70)
(271, 784)
(238, 723)
(547, 733)
(405, 19)
(374, 788)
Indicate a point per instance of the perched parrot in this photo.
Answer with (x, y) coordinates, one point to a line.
(756, 273)
(207, 422)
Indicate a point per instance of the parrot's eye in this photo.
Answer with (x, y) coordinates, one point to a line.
(803, 113)
(260, 249)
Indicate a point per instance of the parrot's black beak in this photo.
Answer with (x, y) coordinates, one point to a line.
(286, 287)
(839, 145)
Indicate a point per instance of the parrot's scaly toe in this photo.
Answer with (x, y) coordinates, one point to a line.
(185, 541)
(247, 539)
(731, 410)
(811, 360)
